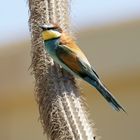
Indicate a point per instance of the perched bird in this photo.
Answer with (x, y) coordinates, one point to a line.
(65, 52)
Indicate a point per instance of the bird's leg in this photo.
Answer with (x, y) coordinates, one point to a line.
(66, 76)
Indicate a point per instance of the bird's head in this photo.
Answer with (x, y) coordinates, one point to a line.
(50, 31)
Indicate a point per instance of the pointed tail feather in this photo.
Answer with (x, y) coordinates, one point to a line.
(106, 94)
(109, 97)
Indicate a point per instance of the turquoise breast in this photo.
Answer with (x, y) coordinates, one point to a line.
(51, 45)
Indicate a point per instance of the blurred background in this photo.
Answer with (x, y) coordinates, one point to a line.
(109, 33)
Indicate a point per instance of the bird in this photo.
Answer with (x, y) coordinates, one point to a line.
(63, 49)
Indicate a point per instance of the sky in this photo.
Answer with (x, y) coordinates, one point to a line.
(14, 15)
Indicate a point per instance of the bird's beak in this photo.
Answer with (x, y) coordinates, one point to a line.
(43, 27)
(46, 26)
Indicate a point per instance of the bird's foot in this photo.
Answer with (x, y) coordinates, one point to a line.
(65, 78)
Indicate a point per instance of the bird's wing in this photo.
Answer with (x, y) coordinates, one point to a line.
(75, 63)
(90, 70)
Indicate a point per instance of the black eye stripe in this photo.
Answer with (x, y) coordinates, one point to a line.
(55, 29)
(50, 28)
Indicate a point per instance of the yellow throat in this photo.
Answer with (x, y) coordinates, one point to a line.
(50, 34)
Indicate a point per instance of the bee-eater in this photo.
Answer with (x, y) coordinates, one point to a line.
(64, 51)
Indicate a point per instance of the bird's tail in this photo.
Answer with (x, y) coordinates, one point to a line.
(107, 95)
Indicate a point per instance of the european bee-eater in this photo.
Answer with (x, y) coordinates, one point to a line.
(66, 53)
